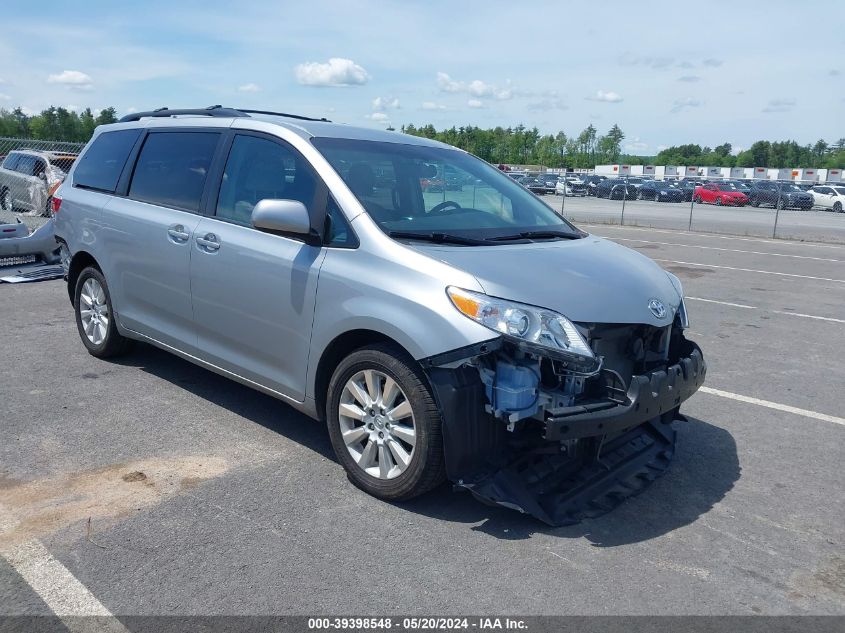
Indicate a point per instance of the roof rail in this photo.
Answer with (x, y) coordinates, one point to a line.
(215, 111)
(289, 116)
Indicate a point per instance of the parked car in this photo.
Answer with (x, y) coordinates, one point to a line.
(616, 189)
(591, 182)
(549, 180)
(570, 187)
(829, 197)
(28, 178)
(783, 195)
(687, 186)
(533, 185)
(739, 185)
(420, 331)
(720, 194)
(661, 191)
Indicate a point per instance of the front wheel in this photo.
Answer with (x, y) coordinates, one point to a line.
(6, 200)
(697, 200)
(837, 207)
(95, 316)
(384, 424)
(718, 202)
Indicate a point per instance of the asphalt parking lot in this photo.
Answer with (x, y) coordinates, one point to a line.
(205, 497)
(816, 224)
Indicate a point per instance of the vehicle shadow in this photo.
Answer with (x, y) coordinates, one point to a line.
(705, 467)
(253, 405)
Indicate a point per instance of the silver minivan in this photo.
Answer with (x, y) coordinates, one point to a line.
(468, 333)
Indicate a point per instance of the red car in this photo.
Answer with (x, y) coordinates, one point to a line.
(719, 195)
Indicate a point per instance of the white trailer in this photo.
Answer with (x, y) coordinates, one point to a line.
(712, 172)
(833, 175)
(690, 172)
(613, 170)
(760, 173)
(782, 173)
(805, 175)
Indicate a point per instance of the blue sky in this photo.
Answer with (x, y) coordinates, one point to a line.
(704, 72)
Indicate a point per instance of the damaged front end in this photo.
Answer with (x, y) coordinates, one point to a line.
(565, 436)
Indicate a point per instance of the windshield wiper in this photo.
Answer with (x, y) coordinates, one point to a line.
(538, 235)
(439, 238)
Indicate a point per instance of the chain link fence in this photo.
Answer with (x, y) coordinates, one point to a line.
(786, 208)
(30, 171)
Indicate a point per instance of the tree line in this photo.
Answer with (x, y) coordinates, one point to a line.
(54, 124)
(514, 145)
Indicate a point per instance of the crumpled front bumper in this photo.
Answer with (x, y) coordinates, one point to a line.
(648, 396)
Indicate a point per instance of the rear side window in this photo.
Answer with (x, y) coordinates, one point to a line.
(26, 165)
(100, 167)
(10, 162)
(172, 168)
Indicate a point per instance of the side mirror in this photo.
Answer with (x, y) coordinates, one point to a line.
(282, 216)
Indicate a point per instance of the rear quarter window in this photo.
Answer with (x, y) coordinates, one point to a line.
(99, 168)
(10, 162)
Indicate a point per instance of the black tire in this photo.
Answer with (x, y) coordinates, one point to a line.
(718, 202)
(755, 202)
(780, 204)
(113, 343)
(837, 207)
(427, 468)
(6, 200)
(697, 199)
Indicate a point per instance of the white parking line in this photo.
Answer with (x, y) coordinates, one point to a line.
(809, 316)
(724, 303)
(774, 405)
(714, 236)
(729, 250)
(751, 270)
(66, 597)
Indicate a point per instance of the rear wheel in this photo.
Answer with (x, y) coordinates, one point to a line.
(780, 204)
(837, 206)
(697, 199)
(95, 316)
(6, 200)
(384, 424)
(755, 202)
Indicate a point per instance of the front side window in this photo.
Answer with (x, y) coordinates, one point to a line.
(102, 163)
(172, 168)
(437, 190)
(261, 169)
(26, 165)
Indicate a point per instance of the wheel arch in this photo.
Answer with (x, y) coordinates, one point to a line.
(79, 262)
(340, 347)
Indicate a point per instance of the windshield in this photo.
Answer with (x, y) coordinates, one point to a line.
(788, 187)
(394, 183)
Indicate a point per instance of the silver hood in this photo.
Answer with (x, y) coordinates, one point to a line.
(586, 280)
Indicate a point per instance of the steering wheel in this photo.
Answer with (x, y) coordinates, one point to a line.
(440, 208)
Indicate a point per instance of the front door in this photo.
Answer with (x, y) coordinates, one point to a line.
(253, 292)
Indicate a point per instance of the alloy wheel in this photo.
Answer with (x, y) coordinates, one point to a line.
(377, 424)
(94, 311)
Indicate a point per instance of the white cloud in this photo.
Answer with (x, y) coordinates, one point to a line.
(608, 97)
(382, 103)
(657, 63)
(689, 102)
(475, 88)
(475, 103)
(545, 105)
(250, 87)
(712, 63)
(338, 71)
(131, 110)
(379, 117)
(780, 105)
(636, 145)
(690, 78)
(833, 72)
(660, 148)
(5, 97)
(431, 105)
(446, 84)
(72, 79)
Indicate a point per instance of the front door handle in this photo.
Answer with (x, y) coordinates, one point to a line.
(177, 233)
(209, 242)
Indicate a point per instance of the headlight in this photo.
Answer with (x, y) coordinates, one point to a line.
(528, 326)
(683, 317)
